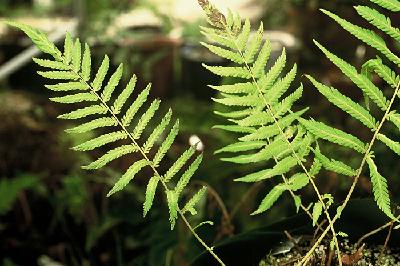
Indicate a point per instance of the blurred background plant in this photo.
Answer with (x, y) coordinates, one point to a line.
(51, 211)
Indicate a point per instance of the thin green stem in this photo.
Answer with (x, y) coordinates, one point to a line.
(150, 163)
(359, 171)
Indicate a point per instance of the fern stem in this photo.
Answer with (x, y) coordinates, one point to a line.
(355, 181)
(288, 142)
(150, 163)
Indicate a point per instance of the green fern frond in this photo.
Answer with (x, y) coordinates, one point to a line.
(73, 68)
(280, 87)
(191, 204)
(334, 165)
(274, 72)
(270, 199)
(383, 71)
(360, 80)
(262, 59)
(378, 20)
(346, 104)
(367, 36)
(379, 188)
(323, 131)
(235, 128)
(224, 53)
(394, 118)
(393, 145)
(316, 212)
(150, 193)
(244, 87)
(242, 146)
(392, 5)
(237, 72)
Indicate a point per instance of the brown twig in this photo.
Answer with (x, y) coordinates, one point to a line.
(386, 241)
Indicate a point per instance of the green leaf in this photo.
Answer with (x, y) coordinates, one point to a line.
(237, 72)
(156, 134)
(334, 165)
(379, 188)
(178, 164)
(84, 112)
(191, 204)
(316, 213)
(125, 94)
(39, 39)
(224, 53)
(111, 156)
(139, 101)
(256, 119)
(286, 104)
(172, 201)
(166, 144)
(128, 176)
(101, 74)
(51, 64)
(68, 48)
(247, 100)
(393, 145)
(101, 141)
(262, 59)
(93, 124)
(242, 146)
(280, 87)
(254, 45)
(378, 20)
(75, 98)
(77, 56)
(235, 114)
(184, 180)
(65, 75)
(217, 38)
(346, 104)
(112, 83)
(360, 80)
(392, 5)
(86, 63)
(266, 132)
(394, 118)
(269, 79)
(243, 87)
(235, 128)
(334, 135)
(149, 196)
(383, 71)
(282, 167)
(270, 199)
(68, 86)
(367, 36)
(145, 119)
(243, 37)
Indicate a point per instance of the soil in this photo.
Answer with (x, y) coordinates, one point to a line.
(288, 254)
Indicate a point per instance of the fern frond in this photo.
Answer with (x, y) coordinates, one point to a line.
(112, 83)
(394, 118)
(86, 63)
(224, 53)
(185, 178)
(84, 112)
(334, 165)
(172, 201)
(68, 48)
(101, 141)
(281, 86)
(128, 176)
(242, 146)
(235, 114)
(378, 20)
(111, 156)
(166, 144)
(367, 36)
(379, 188)
(269, 79)
(145, 119)
(76, 56)
(346, 104)
(76, 98)
(190, 205)
(150, 192)
(179, 163)
(262, 59)
(235, 128)
(323, 131)
(139, 101)
(251, 100)
(316, 213)
(64, 75)
(393, 145)
(243, 37)
(237, 72)
(94, 124)
(360, 80)
(281, 167)
(392, 5)
(101, 74)
(50, 64)
(254, 45)
(156, 134)
(244, 87)
(270, 199)
(123, 97)
(68, 86)
(383, 71)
